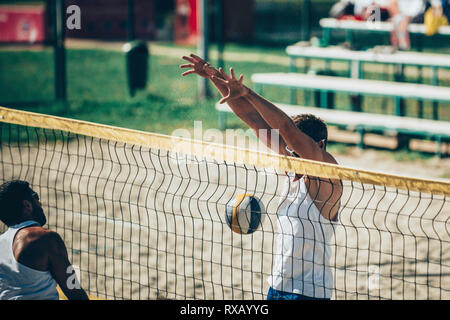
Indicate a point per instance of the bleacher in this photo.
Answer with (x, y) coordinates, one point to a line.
(405, 128)
(377, 55)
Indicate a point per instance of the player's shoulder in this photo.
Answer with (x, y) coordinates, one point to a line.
(328, 158)
(39, 235)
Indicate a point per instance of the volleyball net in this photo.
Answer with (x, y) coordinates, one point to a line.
(143, 216)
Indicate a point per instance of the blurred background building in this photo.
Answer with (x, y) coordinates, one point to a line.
(256, 21)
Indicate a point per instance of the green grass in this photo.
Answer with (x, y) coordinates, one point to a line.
(98, 92)
(97, 89)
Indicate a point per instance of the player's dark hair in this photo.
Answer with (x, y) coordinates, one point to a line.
(12, 194)
(312, 126)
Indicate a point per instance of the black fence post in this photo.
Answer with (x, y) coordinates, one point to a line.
(306, 22)
(220, 30)
(131, 20)
(203, 46)
(60, 68)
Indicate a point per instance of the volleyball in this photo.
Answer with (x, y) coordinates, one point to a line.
(244, 213)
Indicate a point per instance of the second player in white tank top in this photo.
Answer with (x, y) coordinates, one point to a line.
(302, 259)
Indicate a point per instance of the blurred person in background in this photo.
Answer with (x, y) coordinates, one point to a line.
(400, 12)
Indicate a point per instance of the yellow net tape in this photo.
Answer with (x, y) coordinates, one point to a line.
(221, 152)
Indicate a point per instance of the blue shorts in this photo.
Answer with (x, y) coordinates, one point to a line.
(281, 295)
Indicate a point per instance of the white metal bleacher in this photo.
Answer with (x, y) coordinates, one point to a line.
(375, 26)
(353, 86)
(375, 55)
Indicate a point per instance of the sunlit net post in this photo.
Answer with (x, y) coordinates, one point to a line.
(143, 215)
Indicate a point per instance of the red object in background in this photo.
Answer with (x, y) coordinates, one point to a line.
(238, 24)
(22, 24)
(351, 17)
(186, 23)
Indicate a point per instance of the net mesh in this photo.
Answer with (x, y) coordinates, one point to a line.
(148, 223)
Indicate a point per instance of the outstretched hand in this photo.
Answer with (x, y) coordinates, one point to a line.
(199, 67)
(236, 88)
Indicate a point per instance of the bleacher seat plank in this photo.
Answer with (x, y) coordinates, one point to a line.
(342, 54)
(354, 120)
(375, 26)
(353, 86)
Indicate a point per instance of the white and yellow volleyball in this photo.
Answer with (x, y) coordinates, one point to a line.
(244, 213)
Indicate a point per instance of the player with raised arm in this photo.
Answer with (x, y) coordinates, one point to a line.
(309, 205)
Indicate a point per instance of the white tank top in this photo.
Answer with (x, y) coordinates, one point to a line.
(302, 259)
(17, 281)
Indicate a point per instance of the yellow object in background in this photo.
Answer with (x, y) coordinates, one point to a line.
(434, 19)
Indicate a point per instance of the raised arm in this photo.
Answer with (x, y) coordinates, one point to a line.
(326, 193)
(296, 140)
(240, 106)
